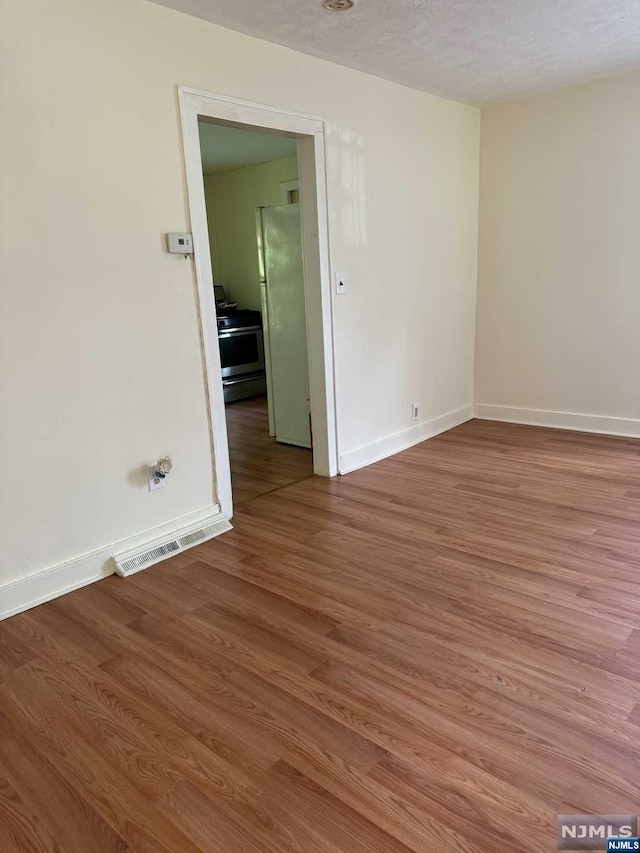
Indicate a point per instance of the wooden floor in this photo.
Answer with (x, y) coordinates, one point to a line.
(259, 464)
(437, 653)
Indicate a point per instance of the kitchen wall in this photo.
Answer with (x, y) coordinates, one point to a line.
(99, 346)
(232, 198)
(558, 337)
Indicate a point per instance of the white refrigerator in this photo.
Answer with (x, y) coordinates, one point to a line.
(284, 319)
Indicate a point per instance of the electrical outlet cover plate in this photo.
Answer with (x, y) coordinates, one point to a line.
(155, 483)
(415, 411)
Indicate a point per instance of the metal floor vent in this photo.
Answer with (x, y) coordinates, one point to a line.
(128, 567)
(197, 536)
(130, 562)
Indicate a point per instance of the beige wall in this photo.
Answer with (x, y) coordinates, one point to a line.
(101, 367)
(559, 288)
(232, 198)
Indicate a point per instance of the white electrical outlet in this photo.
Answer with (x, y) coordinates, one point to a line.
(415, 411)
(155, 483)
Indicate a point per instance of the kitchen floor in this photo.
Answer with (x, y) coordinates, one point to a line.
(260, 464)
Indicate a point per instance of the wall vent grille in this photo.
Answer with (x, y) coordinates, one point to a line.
(191, 538)
(129, 563)
(148, 558)
(198, 536)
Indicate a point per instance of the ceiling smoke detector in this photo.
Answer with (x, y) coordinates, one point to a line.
(339, 5)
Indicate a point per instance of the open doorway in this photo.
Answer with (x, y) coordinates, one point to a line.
(252, 196)
(308, 132)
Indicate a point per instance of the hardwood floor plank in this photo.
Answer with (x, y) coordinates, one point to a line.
(264, 714)
(205, 706)
(326, 819)
(22, 830)
(207, 823)
(469, 803)
(113, 794)
(57, 804)
(13, 651)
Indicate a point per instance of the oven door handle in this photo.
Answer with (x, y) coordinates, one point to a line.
(244, 330)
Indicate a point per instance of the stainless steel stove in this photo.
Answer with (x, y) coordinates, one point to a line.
(241, 351)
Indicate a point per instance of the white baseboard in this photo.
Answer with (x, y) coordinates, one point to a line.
(377, 450)
(559, 420)
(81, 571)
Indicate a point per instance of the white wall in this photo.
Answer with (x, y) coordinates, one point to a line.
(232, 198)
(559, 288)
(101, 368)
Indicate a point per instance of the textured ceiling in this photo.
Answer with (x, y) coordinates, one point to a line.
(225, 148)
(469, 50)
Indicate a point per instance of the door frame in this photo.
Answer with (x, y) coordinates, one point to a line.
(310, 133)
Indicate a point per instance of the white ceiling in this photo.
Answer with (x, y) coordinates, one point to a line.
(469, 50)
(225, 148)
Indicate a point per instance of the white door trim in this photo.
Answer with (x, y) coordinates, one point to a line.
(310, 132)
